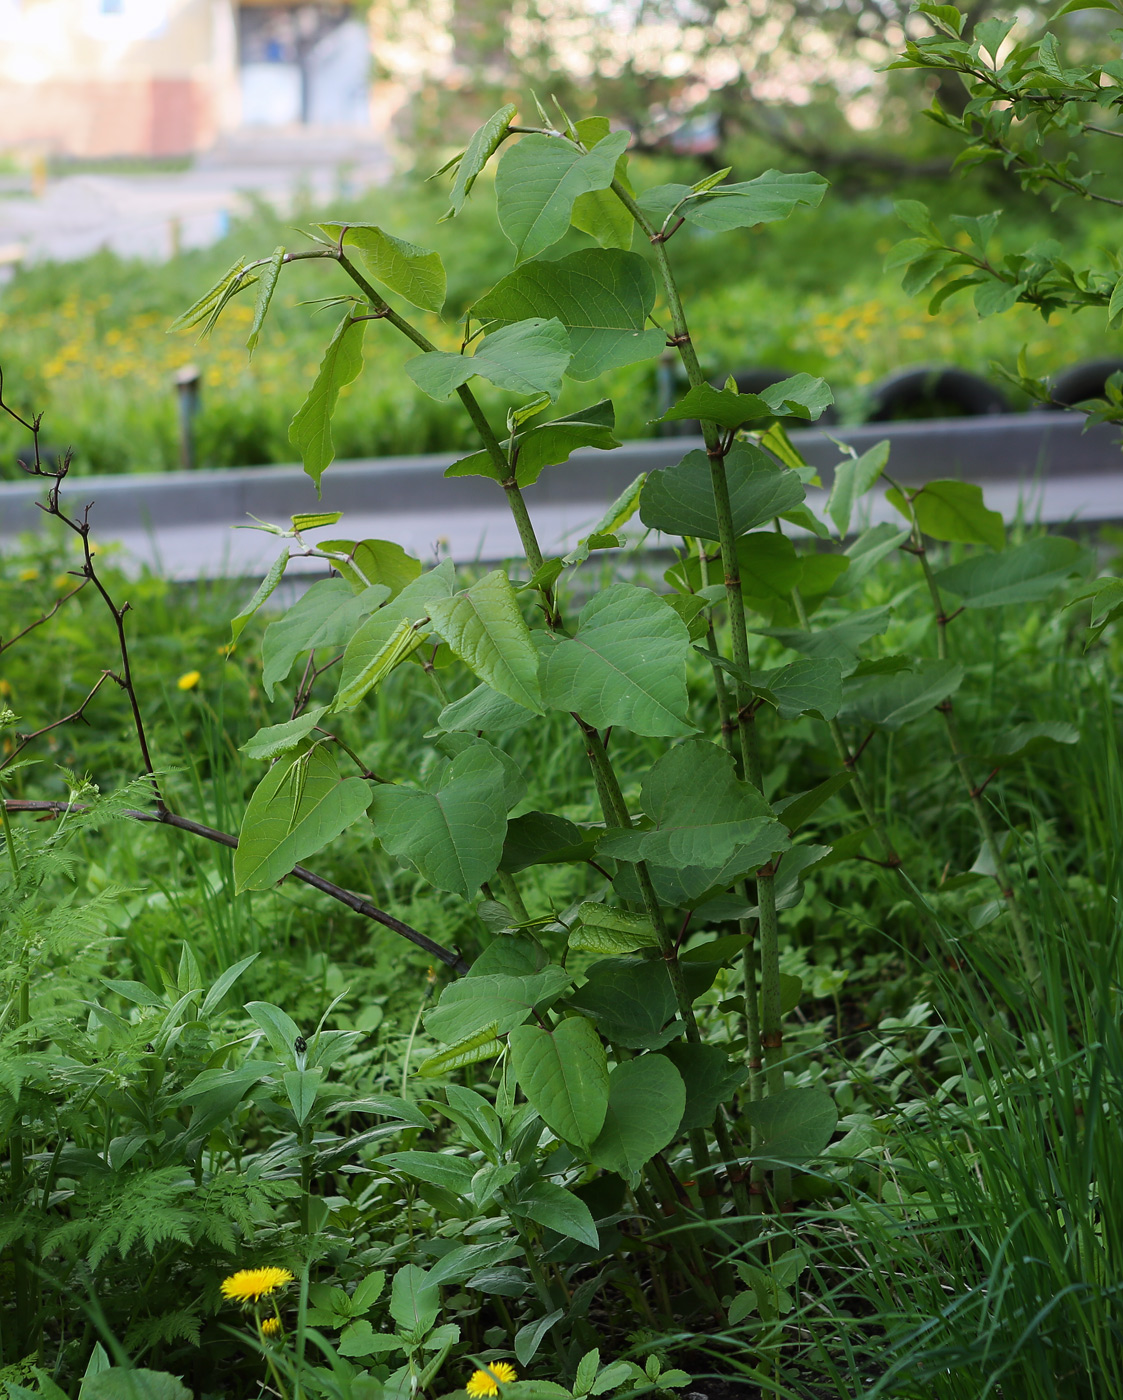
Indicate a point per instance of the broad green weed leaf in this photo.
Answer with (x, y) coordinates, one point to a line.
(811, 686)
(709, 1077)
(867, 551)
(280, 738)
(368, 645)
(538, 181)
(564, 1073)
(525, 358)
(599, 213)
(547, 444)
(802, 396)
(484, 143)
(116, 1383)
(626, 664)
(953, 511)
(1027, 739)
(263, 592)
(417, 274)
(541, 838)
(602, 296)
(841, 640)
(326, 616)
(703, 814)
(631, 1000)
(1024, 573)
(646, 1101)
(529, 1336)
(495, 1000)
(765, 200)
(486, 630)
(483, 708)
(415, 1300)
(366, 562)
(310, 429)
(890, 701)
(679, 500)
(549, 1204)
(298, 807)
(437, 1168)
(602, 929)
(399, 642)
(454, 836)
(853, 477)
(725, 407)
(795, 1125)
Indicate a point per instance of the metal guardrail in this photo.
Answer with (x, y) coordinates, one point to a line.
(1038, 465)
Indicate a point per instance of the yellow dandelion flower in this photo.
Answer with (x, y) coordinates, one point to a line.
(271, 1327)
(5, 687)
(250, 1285)
(483, 1383)
(28, 575)
(189, 680)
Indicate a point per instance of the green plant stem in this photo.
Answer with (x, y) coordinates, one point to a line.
(771, 1021)
(9, 841)
(962, 762)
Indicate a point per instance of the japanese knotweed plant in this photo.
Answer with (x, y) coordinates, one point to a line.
(589, 1012)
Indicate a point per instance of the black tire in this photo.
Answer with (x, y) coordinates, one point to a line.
(936, 391)
(1083, 381)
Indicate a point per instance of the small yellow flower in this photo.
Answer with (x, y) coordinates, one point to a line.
(250, 1285)
(189, 680)
(271, 1327)
(5, 687)
(28, 575)
(483, 1383)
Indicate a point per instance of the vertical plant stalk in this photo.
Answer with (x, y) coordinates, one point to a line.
(608, 786)
(962, 762)
(771, 1020)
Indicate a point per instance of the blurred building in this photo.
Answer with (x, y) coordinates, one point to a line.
(91, 78)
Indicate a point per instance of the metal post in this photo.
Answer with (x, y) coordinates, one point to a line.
(187, 381)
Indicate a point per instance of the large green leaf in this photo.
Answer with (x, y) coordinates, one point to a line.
(601, 929)
(437, 1168)
(496, 999)
(841, 640)
(710, 1077)
(646, 1101)
(1024, 574)
(527, 357)
(600, 213)
(541, 838)
(1027, 739)
(547, 444)
(117, 1383)
(549, 1204)
(277, 739)
(367, 649)
(890, 701)
(867, 551)
(298, 807)
(703, 814)
(363, 562)
(811, 686)
(679, 500)
(326, 616)
(310, 429)
(486, 630)
(794, 1126)
(564, 1074)
(263, 591)
(767, 564)
(626, 664)
(953, 511)
(630, 999)
(800, 396)
(538, 181)
(483, 709)
(453, 836)
(485, 141)
(767, 199)
(417, 274)
(415, 1300)
(853, 477)
(602, 296)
